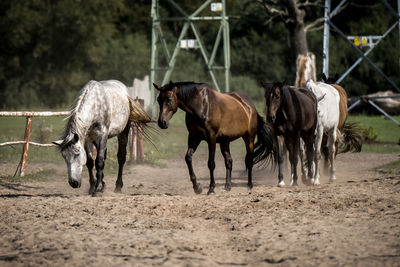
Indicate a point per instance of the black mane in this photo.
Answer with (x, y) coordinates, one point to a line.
(185, 89)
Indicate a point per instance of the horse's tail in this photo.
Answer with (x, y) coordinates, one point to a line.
(352, 138)
(139, 118)
(137, 114)
(264, 149)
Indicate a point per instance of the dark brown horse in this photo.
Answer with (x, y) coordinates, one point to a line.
(293, 114)
(216, 118)
(351, 133)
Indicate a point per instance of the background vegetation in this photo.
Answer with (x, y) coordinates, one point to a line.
(50, 49)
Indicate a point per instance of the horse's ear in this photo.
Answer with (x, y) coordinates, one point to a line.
(281, 84)
(324, 77)
(157, 86)
(57, 143)
(336, 77)
(170, 82)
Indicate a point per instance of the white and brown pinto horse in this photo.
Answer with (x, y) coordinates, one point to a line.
(328, 120)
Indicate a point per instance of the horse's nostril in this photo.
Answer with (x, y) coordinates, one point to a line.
(74, 183)
(162, 124)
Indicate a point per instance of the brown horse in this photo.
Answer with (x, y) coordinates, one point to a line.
(216, 118)
(293, 114)
(351, 133)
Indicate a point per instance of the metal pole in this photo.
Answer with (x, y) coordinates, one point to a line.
(383, 112)
(325, 50)
(398, 19)
(154, 16)
(227, 60)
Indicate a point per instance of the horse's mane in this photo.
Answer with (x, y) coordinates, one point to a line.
(186, 90)
(305, 65)
(75, 124)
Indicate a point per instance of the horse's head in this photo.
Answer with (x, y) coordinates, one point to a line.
(330, 80)
(273, 99)
(168, 101)
(74, 155)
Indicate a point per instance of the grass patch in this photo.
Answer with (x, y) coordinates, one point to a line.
(385, 133)
(386, 130)
(41, 175)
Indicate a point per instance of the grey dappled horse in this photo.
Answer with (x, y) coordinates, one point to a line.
(102, 110)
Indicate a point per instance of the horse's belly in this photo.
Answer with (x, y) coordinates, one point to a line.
(231, 132)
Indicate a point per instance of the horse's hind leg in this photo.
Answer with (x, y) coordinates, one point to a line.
(331, 146)
(121, 155)
(228, 164)
(249, 142)
(317, 154)
(193, 143)
(325, 153)
(90, 164)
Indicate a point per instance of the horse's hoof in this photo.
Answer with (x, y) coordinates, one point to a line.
(295, 184)
(227, 188)
(198, 189)
(281, 184)
(332, 179)
(249, 190)
(117, 190)
(315, 181)
(91, 190)
(211, 192)
(97, 194)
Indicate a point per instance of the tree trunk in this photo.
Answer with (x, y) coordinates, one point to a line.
(297, 35)
(295, 25)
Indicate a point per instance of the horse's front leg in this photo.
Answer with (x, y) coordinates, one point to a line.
(193, 143)
(228, 164)
(100, 163)
(90, 164)
(281, 160)
(294, 147)
(211, 163)
(303, 162)
(317, 154)
(121, 155)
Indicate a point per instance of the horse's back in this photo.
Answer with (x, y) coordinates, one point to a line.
(234, 113)
(328, 104)
(116, 106)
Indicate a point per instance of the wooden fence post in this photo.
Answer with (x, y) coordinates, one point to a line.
(25, 149)
(136, 142)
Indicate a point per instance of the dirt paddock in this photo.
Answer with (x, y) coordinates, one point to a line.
(158, 220)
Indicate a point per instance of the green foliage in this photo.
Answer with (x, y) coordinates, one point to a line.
(369, 135)
(50, 49)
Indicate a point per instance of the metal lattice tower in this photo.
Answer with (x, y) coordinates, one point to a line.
(189, 21)
(355, 41)
(371, 41)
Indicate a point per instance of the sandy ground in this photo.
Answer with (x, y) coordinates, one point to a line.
(158, 220)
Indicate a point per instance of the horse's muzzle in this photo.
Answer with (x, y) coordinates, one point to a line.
(163, 124)
(74, 183)
(271, 119)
